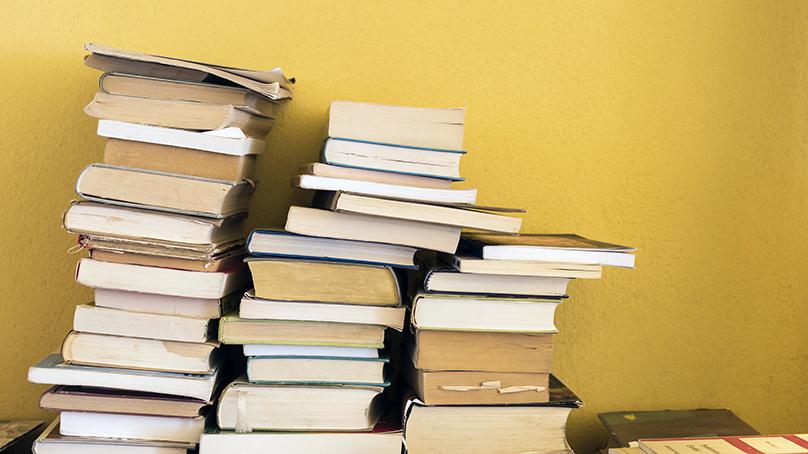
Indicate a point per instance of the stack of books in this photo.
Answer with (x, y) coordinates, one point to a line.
(161, 218)
(321, 328)
(482, 343)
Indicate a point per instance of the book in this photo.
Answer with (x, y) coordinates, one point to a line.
(51, 442)
(17, 436)
(52, 370)
(474, 265)
(223, 263)
(126, 222)
(322, 223)
(481, 351)
(422, 212)
(374, 176)
(160, 88)
(629, 426)
(483, 313)
(169, 113)
(163, 281)
(558, 248)
(413, 193)
(236, 330)
(440, 129)
(270, 84)
(385, 438)
(88, 349)
(89, 318)
(99, 400)
(205, 252)
(449, 280)
(164, 191)
(284, 279)
(393, 158)
(248, 406)
(253, 307)
(277, 243)
(745, 444)
(229, 141)
(310, 350)
(498, 429)
(185, 161)
(152, 303)
(133, 427)
(317, 370)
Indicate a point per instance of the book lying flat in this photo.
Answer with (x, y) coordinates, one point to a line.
(90, 318)
(206, 252)
(271, 84)
(374, 176)
(310, 350)
(160, 88)
(52, 370)
(125, 222)
(345, 226)
(393, 158)
(174, 193)
(221, 263)
(318, 370)
(102, 350)
(440, 129)
(100, 400)
(448, 280)
(416, 194)
(229, 141)
(745, 444)
(51, 442)
(277, 243)
(282, 279)
(467, 264)
(131, 427)
(236, 330)
(558, 248)
(422, 212)
(152, 303)
(297, 407)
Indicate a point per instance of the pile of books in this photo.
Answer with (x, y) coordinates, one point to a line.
(480, 353)
(161, 219)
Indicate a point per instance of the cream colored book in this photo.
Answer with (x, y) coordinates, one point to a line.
(236, 330)
(468, 264)
(374, 176)
(90, 318)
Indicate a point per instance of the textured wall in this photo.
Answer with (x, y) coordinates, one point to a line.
(678, 127)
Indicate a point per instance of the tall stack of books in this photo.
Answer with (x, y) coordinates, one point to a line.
(161, 219)
(321, 328)
(481, 343)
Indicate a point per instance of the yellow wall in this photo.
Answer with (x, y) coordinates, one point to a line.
(678, 127)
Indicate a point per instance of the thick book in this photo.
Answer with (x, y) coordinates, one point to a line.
(89, 318)
(17, 436)
(89, 349)
(52, 442)
(171, 229)
(52, 370)
(131, 427)
(163, 281)
(497, 429)
(744, 444)
(152, 303)
(345, 226)
(440, 129)
(240, 331)
(439, 311)
(184, 161)
(557, 248)
(229, 141)
(311, 350)
(277, 243)
(270, 84)
(468, 264)
(374, 176)
(162, 88)
(252, 307)
(412, 211)
(170, 113)
(283, 279)
(247, 406)
(481, 351)
(100, 400)
(412, 193)
(393, 158)
(448, 280)
(169, 192)
(323, 370)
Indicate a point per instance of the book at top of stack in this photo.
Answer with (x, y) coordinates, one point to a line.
(162, 221)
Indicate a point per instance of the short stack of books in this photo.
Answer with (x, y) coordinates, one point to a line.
(321, 326)
(481, 344)
(161, 219)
